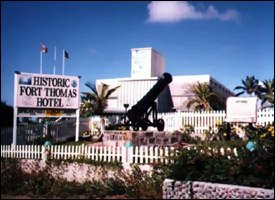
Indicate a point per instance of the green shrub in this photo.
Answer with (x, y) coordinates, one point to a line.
(260, 132)
(142, 185)
(40, 183)
(186, 132)
(254, 168)
(115, 186)
(11, 176)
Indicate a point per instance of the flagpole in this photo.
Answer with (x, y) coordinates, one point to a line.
(54, 60)
(63, 63)
(40, 61)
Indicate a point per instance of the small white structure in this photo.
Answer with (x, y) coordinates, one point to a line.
(146, 63)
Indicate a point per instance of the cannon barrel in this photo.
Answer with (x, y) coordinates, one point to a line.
(140, 108)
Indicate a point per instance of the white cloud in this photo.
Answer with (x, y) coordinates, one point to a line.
(175, 11)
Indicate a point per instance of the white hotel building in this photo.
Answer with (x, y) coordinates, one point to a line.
(146, 66)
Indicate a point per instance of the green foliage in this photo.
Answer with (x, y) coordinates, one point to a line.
(186, 131)
(205, 98)
(98, 163)
(251, 132)
(260, 132)
(250, 86)
(11, 173)
(95, 102)
(115, 186)
(221, 132)
(64, 189)
(239, 144)
(266, 92)
(103, 188)
(40, 183)
(248, 168)
(142, 185)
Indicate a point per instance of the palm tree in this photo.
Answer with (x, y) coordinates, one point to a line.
(204, 97)
(266, 92)
(94, 103)
(250, 86)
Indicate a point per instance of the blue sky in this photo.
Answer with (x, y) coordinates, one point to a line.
(228, 40)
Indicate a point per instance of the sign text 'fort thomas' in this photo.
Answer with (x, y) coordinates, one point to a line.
(47, 91)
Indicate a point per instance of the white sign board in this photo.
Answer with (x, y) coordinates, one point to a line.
(241, 109)
(47, 91)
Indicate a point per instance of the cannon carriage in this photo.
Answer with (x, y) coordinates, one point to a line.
(138, 116)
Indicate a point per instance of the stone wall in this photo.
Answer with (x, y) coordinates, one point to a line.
(141, 138)
(202, 190)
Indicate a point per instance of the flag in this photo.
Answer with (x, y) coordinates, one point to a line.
(66, 55)
(43, 48)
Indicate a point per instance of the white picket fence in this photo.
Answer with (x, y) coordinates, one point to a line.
(203, 120)
(199, 120)
(138, 155)
(21, 151)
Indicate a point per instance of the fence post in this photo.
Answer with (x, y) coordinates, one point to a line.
(130, 154)
(124, 159)
(44, 153)
(127, 156)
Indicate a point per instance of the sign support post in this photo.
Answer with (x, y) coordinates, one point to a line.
(15, 111)
(77, 118)
(77, 125)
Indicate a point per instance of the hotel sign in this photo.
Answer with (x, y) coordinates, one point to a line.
(47, 91)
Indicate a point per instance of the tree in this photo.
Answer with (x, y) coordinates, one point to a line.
(94, 103)
(266, 92)
(6, 115)
(204, 98)
(250, 86)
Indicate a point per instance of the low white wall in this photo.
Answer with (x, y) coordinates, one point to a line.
(79, 172)
(201, 190)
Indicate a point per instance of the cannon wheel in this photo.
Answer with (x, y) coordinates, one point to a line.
(160, 124)
(135, 126)
(144, 126)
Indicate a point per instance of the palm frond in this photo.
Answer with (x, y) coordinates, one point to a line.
(239, 87)
(111, 91)
(238, 94)
(92, 87)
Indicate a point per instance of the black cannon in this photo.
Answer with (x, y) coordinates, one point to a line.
(138, 115)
